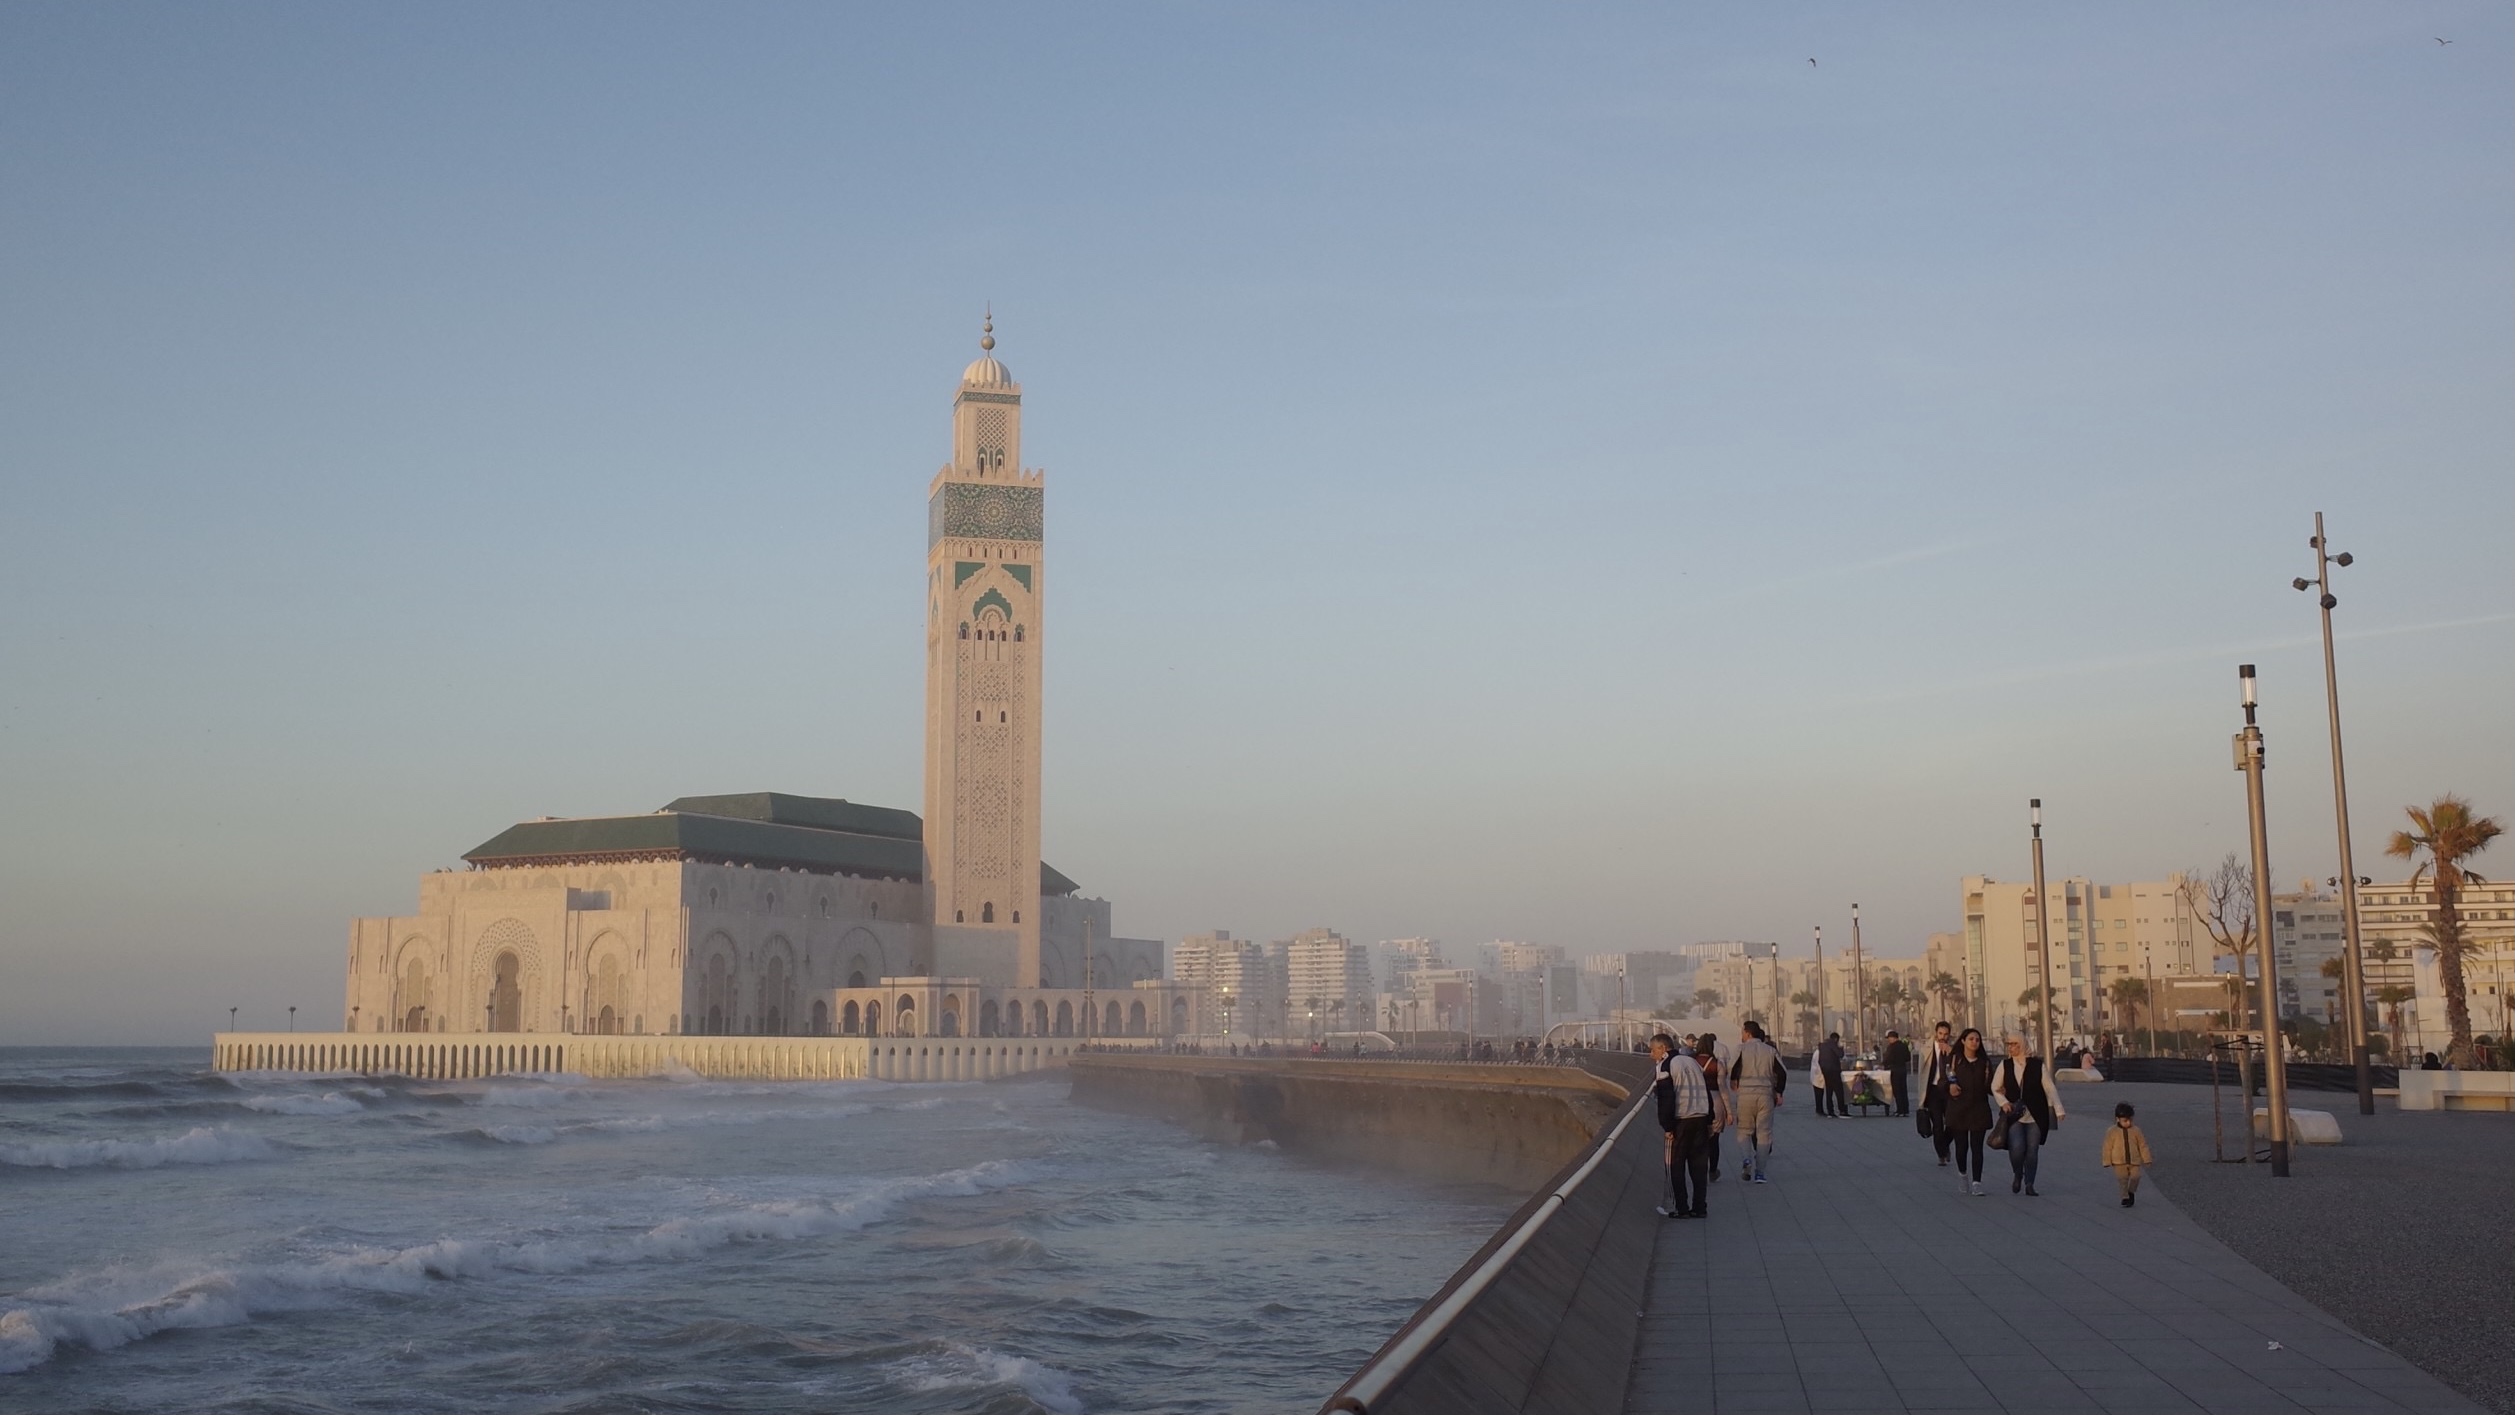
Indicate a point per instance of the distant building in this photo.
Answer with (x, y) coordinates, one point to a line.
(2099, 933)
(1328, 985)
(2395, 919)
(770, 914)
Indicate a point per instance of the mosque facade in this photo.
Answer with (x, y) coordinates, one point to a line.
(765, 914)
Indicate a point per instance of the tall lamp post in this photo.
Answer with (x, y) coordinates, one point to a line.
(292, 1017)
(1820, 988)
(2043, 939)
(2249, 760)
(1859, 986)
(2353, 983)
(231, 1019)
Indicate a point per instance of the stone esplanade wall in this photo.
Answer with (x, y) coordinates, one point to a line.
(462, 1055)
(1509, 1125)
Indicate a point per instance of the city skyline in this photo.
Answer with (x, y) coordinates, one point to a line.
(1513, 484)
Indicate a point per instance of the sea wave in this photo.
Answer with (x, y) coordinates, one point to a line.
(202, 1144)
(951, 1366)
(329, 1103)
(103, 1313)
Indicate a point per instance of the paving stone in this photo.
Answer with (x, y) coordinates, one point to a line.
(1856, 1282)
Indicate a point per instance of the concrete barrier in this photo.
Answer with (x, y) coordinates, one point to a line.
(2458, 1090)
(1545, 1317)
(1509, 1125)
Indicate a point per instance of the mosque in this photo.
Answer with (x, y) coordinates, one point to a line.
(770, 915)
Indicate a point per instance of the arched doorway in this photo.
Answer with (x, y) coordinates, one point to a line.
(607, 1023)
(820, 1018)
(1065, 1019)
(1178, 1016)
(904, 1016)
(1135, 1019)
(849, 1019)
(1039, 1018)
(988, 1018)
(949, 1024)
(873, 1018)
(1110, 1020)
(506, 993)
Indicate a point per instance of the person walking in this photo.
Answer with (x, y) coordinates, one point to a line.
(1897, 1059)
(1969, 1109)
(1934, 1068)
(2021, 1086)
(1707, 1057)
(2126, 1152)
(1685, 1114)
(1756, 1082)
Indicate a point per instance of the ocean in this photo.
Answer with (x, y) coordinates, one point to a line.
(174, 1239)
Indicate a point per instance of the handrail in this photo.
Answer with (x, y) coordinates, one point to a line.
(1394, 1362)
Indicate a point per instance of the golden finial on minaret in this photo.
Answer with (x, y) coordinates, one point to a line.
(987, 334)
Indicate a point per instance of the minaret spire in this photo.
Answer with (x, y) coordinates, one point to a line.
(987, 333)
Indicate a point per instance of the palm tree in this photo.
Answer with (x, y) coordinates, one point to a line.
(1805, 1001)
(2390, 997)
(1888, 995)
(2030, 997)
(2448, 834)
(1708, 1001)
(1949, 990)
(2130, 996)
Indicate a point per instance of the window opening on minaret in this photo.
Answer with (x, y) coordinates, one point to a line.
(987, 913)
(964, 631)
(1017, 633)
(956, 917)
(1017, 916)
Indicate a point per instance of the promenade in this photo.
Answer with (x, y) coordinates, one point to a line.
(1860, 1281)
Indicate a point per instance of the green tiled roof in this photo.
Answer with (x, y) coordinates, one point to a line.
(758, 828)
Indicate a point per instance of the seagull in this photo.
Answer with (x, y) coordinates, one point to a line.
(2440, 41)
(1812, 62)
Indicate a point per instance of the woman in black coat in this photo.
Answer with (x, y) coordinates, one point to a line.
(1968, 1109)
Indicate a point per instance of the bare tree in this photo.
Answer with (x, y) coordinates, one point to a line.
(2223, 901)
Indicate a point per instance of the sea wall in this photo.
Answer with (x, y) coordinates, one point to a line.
(1509, 1125)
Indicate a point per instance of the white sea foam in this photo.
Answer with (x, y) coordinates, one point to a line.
(517, 1134)
(104, 1311)
(528, 1097)
(329, 1103)
(958, 1367)
(202, 1144)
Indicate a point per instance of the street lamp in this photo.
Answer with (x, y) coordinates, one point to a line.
(2249, 760)
(231, 1019)
(2353, 983)
(1859, 985)
(292, 1018)
(2043, 937)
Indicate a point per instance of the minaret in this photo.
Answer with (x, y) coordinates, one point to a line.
(983, 588)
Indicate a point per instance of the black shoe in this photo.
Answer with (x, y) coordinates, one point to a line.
(2129, 1199)
(1702, 1213)
(2030, 1192)
(2016, 1182)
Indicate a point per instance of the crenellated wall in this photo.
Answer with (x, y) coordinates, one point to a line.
(459, 1056)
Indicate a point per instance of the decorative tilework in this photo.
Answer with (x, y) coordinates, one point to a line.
(992, 597)
(983, 511)
(963, 569)
(1019, 572)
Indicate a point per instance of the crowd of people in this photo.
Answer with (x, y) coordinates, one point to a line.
(1972, 1101)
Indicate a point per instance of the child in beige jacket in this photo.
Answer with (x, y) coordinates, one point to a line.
(2126, 1152)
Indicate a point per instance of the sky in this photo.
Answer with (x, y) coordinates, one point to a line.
(1606, 476)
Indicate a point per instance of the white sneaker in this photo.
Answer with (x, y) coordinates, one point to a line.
(1667, 1212)
(1964, 1185)
(1977, 1190)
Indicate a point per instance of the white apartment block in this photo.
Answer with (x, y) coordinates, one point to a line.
(2395, 918)
(1328, 986)
(2099, 933)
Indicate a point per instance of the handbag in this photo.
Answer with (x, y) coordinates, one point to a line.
(1925, 1122)
(2000, 1129)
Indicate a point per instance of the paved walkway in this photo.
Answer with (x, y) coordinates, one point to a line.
(1859, 1281)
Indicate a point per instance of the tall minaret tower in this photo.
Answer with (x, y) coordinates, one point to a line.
(983, 588)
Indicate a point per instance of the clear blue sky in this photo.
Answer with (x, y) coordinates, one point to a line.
(1569, 473)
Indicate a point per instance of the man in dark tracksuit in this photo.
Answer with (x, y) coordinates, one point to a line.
(1829, 1061)
(1897, 1059)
